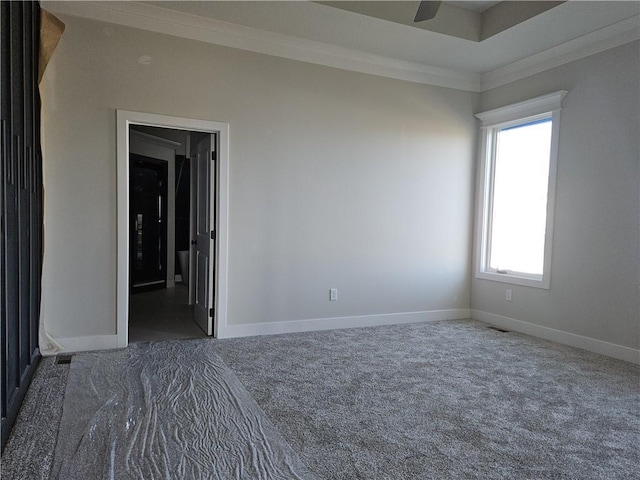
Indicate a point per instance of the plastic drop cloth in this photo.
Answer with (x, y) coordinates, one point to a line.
(168, 410)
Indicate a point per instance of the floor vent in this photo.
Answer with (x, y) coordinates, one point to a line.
(63, 358)
(498, 329)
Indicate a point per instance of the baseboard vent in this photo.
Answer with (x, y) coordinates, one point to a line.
(63, 358)
(498, 329)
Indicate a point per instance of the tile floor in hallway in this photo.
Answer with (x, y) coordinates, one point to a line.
(163, 314)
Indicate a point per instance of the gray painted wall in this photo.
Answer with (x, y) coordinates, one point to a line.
(337, 179)
(340, 179)
(595, 269)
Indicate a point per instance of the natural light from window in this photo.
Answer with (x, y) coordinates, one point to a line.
(519, 210)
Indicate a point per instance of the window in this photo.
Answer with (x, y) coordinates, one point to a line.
(516, 191)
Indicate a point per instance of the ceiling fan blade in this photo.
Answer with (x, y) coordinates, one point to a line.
(426, 11)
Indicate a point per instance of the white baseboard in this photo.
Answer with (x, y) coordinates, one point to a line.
(84, 344)
(295, 326)
(586, 343)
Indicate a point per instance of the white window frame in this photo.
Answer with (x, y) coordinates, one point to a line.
(546, 106)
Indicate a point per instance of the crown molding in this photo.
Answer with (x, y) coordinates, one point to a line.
(611, 36)
(179, 24)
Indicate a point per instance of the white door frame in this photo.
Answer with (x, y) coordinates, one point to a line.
(124, 120)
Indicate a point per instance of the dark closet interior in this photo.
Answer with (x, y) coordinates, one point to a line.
(148, 217)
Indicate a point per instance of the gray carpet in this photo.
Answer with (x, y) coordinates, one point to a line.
(444, 400)
(28, 454)
(447, 400)
(165, 410)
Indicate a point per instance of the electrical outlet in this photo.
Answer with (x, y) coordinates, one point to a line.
(333, 294)
(507, 296)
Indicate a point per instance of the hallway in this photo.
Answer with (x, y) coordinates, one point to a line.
(162, 315)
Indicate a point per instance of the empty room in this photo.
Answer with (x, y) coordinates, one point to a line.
(324, 240)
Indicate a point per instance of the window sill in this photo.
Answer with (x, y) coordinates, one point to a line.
(514, 279)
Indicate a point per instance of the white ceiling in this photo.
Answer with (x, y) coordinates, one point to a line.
(322, 23)
(476, 6)
(322, 34)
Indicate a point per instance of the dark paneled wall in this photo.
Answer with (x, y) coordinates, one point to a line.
(20, 203)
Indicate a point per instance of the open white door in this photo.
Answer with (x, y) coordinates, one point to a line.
(204, 242)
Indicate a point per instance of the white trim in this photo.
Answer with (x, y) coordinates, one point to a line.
(179, 24)
(579, 341)
(222, 233)
(516, 112)
(514, 279)
(611, 36)
(492, 121)
(124, 120)
(84, 344)
(296, 326)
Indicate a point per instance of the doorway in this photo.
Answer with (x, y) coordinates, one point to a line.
(164, 167)
(159, 239)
